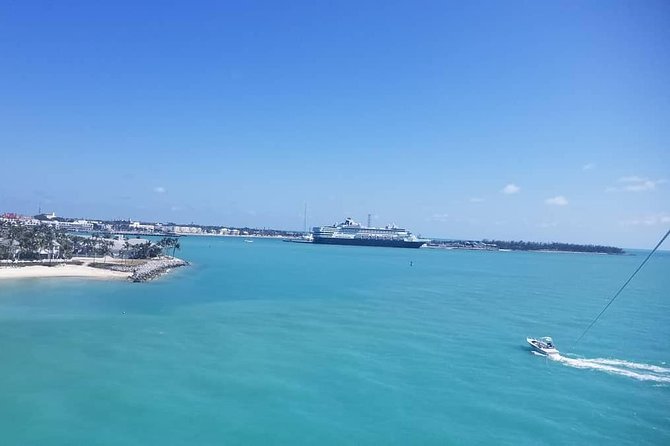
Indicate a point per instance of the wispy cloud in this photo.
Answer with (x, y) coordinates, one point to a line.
(476, 200)
(631, 179)
(159, 189)
(588, 166)
(634, 183)
(439, 217)
(648, 220)
(510, 189)
(548, 224)
(558, 200)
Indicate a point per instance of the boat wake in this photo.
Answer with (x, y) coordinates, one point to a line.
(642, 372)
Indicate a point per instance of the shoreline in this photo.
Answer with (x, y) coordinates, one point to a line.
(545, 251)
(62, 270)
(112, 269)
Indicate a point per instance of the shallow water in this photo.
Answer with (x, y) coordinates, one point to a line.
(281, 343)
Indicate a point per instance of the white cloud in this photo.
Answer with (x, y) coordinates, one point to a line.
(439, 217)
(159, 189)
(634, 183)
(558, 200)
(588, 166)
(476, 200)
(642, 186)
(511, 189)
(648, 220)
(631, 179)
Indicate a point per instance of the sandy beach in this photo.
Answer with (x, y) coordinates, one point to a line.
(133, 270)
(39, 271)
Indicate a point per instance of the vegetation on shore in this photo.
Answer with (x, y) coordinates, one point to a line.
(22, 242)
(494, 245)
(553, 246)
(44, 242)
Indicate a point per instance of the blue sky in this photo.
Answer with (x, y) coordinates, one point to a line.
(422, 113)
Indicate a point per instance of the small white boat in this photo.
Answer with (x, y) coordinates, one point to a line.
(543, 345)
(248, 241)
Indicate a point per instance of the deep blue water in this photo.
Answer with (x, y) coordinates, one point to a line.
(281, 343)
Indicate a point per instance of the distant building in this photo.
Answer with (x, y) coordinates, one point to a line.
(184, 229)
(20, 219)
(137, 226)
(120, 244)
(77, 225)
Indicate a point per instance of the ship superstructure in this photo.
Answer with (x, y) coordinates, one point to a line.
(351, 233)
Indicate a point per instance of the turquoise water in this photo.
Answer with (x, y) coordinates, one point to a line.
(282, 343)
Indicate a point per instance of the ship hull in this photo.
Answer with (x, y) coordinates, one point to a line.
(368, 242)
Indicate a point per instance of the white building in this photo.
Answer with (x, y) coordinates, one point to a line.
(137, 226)
(29, 221)
(184, 229)
(77, 225)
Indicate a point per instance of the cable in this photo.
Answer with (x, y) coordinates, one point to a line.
(622, 287)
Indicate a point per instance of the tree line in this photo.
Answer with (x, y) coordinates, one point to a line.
(24, 242)
(553, 246)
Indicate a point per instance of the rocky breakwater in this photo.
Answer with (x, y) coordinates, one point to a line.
(154, 268)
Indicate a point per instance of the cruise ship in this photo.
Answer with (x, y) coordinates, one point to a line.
(352, 233)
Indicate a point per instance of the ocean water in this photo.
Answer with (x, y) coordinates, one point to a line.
(281, 343)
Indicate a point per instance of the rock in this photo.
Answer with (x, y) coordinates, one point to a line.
(154, 268)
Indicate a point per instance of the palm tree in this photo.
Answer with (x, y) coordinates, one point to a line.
(143, 250)
(175, 245)
(66, 246)
(29, 242)
(126, 250)
(164, 244)
(94, 244)
(79, 245)
(14, 235)
(48, 237)
(105, 248)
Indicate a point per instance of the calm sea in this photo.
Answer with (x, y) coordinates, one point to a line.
(281, 343)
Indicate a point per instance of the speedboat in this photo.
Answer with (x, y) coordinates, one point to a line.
(544, 345)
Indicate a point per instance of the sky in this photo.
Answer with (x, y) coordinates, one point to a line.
(525, 120)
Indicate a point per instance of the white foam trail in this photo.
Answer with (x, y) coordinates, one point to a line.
(631, 365)
(618, 367)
